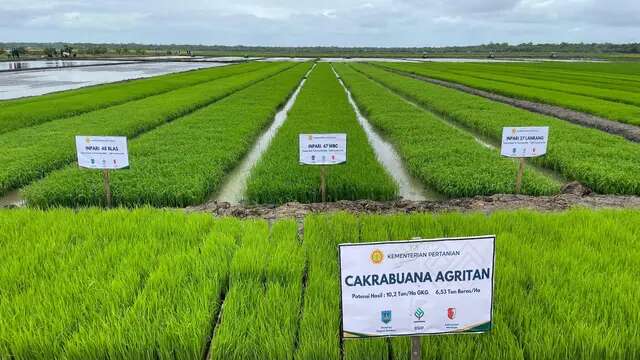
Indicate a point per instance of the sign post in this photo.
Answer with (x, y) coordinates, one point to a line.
(103, 152)
(322, 150)
(417, 288)
(524, 142)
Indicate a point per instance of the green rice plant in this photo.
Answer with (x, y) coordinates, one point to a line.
(20, 113)
(172, 317)
(566, 76)
(147, 284)
(604, 103)
(180, 163)
(445, 158)
(260, 315)
(30, 153)
(320, 324)
(606, 163)
(556, 295)
(321, 107)
(110, 259)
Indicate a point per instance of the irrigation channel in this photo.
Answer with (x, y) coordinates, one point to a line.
(409, 187)
(482, 140)
(235, 184)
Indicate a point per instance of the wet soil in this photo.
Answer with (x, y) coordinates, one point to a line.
(574, 195)
(627, 131)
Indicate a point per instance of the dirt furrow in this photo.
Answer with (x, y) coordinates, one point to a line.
(627, 131)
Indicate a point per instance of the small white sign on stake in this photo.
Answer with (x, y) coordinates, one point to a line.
(323, 149)
(524, 142)
(102, 152)
(417, 287)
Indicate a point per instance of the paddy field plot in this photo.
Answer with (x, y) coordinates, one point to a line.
(149, 284)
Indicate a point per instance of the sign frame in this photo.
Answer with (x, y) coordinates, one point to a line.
(122, 140)
(519, 154)
(301, 135)
(418, 335)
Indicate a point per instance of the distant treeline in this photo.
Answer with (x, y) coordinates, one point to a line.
(497, 48)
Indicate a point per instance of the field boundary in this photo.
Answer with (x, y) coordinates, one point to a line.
(484, 204)
(629, 132)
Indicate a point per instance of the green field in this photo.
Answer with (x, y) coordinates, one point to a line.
(189, 132)
(147, 284)
(603, 90)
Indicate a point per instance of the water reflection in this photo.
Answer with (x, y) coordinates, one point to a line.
(37, 82)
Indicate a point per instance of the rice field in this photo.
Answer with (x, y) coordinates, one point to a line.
(149, 284)
(78, 281)
(189, 132)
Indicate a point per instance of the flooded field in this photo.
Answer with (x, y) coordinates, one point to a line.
(31, 83)
(37, 64)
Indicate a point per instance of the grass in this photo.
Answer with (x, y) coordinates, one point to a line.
(31, 111)
(445, 158)
(605, 163)
(180, 163)
(321, 107)
(147, 284)
(30, 153)
(260, 317)
(608, 103)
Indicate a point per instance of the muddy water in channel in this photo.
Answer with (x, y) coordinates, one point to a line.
(233, 188)
(12, 198)
(410, 188)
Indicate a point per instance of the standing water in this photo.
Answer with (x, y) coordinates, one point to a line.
(233, 188)
(409, 187)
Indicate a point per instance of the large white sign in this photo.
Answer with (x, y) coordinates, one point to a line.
(522, 142)
(102, 152)
(417, 287)
(323, 149)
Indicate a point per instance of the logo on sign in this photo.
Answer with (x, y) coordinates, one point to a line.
(419, 313)
(451, 313)
(385, 316)
(514, 131)
(377, 256)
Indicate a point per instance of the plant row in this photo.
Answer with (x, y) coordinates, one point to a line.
(607, 109)
(537, 71)
(606, 163)
(30, 153)
(550, 82)
(321, 107)
(119, 284)
(16, 114)
(148, 284)
(447, 159)
(262, 307)
(180, 163)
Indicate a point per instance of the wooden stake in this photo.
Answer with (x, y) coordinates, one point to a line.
(416, 348)
(323, 184)
(519, 176)
(107, 188)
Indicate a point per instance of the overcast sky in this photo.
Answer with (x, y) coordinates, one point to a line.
(326, 23)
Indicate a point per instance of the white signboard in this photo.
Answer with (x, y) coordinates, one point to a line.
(102, 152)
(417, 287)
(524, 142)
(323, 149)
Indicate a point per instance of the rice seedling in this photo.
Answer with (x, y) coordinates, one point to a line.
(30, 153)
(445, 158)
(604, 103)
(605, 163)
(147, 284)
(321, 107)
(20, 113)
(260, 315)
(182, 162)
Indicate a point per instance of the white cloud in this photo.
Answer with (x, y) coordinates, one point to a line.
(327, 22)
